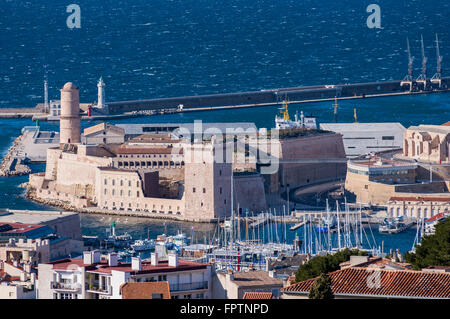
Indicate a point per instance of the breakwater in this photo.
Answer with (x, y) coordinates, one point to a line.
(271, 96)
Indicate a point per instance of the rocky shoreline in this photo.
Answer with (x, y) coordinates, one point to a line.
(30, 194)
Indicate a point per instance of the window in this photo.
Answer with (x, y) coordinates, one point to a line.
(157, 296)
(193, 189)
(204, 190)
(106, 181)
(162, 278)
(387, 138)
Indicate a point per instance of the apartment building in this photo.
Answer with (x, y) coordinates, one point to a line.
(95, 278)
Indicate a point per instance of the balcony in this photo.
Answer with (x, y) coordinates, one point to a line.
(69, 287)
(96, 289)
(201, 285)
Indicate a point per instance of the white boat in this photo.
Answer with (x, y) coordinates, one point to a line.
(143, 245)
(394, 226)
(120, 241)
(284, 121)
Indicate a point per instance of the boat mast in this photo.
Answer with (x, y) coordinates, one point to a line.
(339, 225)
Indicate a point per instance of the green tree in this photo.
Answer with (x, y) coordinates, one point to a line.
(325, 264)
(434, 250)
(321, 288)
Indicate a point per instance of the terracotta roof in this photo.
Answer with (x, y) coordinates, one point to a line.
(446, 124)
(145, 290)
(420, 199)
(437, 217)
(148, 150)
(18, 228)
(258, 295)
(357, 281)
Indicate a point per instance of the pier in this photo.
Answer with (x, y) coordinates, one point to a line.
(223, 101)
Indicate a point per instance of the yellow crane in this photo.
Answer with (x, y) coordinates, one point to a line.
(284, 110)
(335, 108)
(355, 116)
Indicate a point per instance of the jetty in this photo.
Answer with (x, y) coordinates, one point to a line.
(223, 101)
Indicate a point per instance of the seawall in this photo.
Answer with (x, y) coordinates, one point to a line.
(269, 97)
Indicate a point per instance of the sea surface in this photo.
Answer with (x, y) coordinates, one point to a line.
(163, 48)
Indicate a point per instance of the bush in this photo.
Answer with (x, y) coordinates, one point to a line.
(325, 264)
(434, 250)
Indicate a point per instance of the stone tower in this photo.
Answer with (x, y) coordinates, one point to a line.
(69, 121)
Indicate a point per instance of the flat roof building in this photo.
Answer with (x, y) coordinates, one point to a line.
(234, 285)
(365, 138)
(95, 278)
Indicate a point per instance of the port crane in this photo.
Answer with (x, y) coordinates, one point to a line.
(408, 79)
(437, 76)
(422, 78)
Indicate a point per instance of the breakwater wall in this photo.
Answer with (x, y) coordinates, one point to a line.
(272, 96)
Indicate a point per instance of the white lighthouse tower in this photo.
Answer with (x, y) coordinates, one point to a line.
(101, 104)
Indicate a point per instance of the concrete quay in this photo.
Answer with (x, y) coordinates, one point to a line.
(15, 113)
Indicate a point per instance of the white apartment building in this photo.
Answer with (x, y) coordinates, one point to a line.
(96, 278)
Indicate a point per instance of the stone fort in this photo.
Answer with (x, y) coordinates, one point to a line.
(161, 174)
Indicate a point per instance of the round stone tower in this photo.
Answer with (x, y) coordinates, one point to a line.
(69, 121)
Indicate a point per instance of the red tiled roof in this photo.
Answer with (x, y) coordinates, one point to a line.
(437, 217)
(145, 290)
(446, 124)
(420, 199)
(356, 281)
(149, 150)
(18, 228)
(258, 295)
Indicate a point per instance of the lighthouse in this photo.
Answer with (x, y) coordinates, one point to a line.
(101, 103)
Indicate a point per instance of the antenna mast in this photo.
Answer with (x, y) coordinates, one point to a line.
(46, 108)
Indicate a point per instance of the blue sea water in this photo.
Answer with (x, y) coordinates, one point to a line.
(163, 48)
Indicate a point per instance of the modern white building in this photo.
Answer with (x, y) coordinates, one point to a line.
(365, 138)
(55, 108)
(95, 278)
